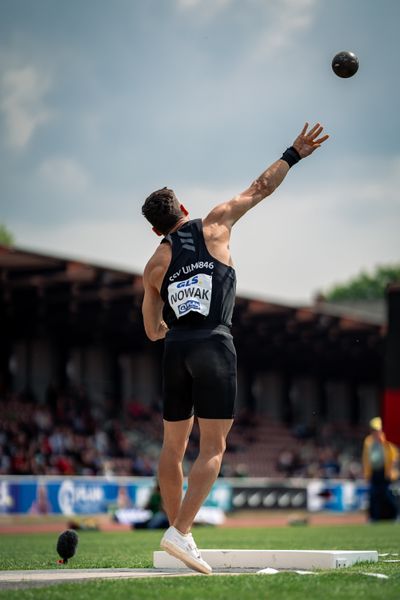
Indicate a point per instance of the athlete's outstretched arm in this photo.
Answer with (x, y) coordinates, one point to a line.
(304, 145)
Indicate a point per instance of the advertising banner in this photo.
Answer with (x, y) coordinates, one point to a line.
(95, 495)
(91, 495)
(273, 496)
(337, 495)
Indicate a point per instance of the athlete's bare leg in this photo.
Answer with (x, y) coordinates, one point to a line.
(170, 473)
(205, 469)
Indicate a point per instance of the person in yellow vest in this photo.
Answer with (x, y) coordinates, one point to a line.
(380, 469)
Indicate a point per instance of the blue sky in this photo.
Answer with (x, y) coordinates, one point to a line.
(102, 102)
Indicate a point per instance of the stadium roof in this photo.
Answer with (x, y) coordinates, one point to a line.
(21, 267)
(79, 300)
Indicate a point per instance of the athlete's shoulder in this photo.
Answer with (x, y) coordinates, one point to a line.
(219, 214)
(214, 230)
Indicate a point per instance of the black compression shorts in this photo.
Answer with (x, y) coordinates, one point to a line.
(199, 375)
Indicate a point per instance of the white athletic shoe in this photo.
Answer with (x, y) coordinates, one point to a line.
(184, 547)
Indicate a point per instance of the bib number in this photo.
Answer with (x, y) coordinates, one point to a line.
(191, 295)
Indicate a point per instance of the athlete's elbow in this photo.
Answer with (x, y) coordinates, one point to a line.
(151, 332)
(153, 335)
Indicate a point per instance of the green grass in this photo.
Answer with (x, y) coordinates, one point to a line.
(134, 549)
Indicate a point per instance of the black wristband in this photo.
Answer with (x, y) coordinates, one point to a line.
(291, 156)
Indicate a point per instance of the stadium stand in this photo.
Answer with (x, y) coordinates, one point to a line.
(80, 384)
(67, 439)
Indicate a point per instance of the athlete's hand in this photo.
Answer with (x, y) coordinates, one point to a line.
(308, 141)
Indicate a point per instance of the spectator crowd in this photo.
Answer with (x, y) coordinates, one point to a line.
(69, 435)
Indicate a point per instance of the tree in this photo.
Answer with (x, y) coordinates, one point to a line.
(6, 237)
(365, 286)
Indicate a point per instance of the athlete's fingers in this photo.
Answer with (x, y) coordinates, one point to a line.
(316, 133)
(314, 129)
(321, 140)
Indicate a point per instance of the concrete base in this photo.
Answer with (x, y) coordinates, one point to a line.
(279, 559)
(16, 580)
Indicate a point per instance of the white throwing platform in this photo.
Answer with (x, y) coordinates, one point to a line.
(279, 559)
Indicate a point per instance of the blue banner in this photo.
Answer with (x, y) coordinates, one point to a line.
(337, 495)
(80, 495)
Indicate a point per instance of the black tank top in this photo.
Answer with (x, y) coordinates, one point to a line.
(198, 291)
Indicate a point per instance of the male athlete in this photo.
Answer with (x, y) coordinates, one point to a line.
(189, 293)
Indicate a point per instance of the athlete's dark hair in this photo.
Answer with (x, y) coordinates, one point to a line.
(162, 209)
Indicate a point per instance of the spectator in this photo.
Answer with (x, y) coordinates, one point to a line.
(41, 506)
(158, 519)
(328, 463)
(379, 463)
(287, 462)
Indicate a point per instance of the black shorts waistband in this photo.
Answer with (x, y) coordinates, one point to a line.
(184, 332)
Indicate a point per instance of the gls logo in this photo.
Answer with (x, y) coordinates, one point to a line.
(188, 282)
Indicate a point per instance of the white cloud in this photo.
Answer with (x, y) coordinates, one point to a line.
(304, 238)
(119, 242)
(22, 92)
(64, 174)
(206, 8)
(279, 21)
(314, 234)
(284, 20)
